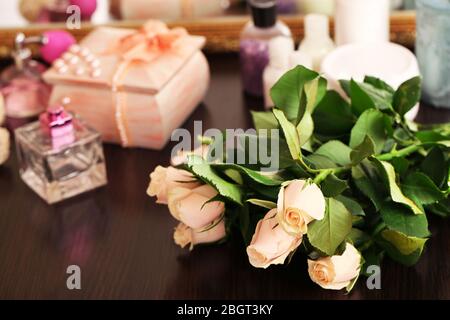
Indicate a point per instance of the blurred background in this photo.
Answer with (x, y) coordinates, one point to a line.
(20, 13)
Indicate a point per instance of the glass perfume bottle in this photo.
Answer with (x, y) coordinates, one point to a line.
(254, 49)
(60, 156)
(433, 50)
(25, 93)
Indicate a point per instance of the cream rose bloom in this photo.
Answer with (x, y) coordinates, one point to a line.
(4, 145)
(336, 272)
(185, 235)
(299, 203)
(271, 244)
(189, 205)
(164, 179)
(182, 156)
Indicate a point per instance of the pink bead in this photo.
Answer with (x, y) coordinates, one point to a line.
(58, 42)
(87, 7)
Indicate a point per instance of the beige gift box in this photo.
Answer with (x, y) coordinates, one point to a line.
(134, 87)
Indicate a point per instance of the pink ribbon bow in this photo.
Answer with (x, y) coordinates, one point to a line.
(149, 42)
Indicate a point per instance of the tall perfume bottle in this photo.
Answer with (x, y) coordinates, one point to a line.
(317, 42)
(254, 50)
(22, 87)
(433, 50)
(60, 156)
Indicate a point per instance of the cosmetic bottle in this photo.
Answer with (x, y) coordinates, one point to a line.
(433, 50)
(317, 42)
(60, 156)
(362, 21)
(25, 93)
(254, 51)
(280, 49)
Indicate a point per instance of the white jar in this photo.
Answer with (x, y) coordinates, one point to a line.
(362, 21)
(389, 62)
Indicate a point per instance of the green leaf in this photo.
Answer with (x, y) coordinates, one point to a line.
(288, 94)
(426, 136)
(332, 186)
(263, 203)
(234, 175)
(336, 151)
(401, 248)
(305, 128)
(317, 161)
(362, 151)
(407, 95)
(367, 180)
(396, 193)
(333, 116)
(290, 133)
(352, 206)
(372, 123)
(436, 166)
(398, 218)
(251, 174)
(315, 91)
(401, 165)
(421, 189)
(203, 170)
(327, 234)
(358, 238)
(364, 96)
(379, 84)
(264, 120)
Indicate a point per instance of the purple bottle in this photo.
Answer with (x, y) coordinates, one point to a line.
(254, 50)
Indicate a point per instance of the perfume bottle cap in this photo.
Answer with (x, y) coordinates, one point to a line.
(21, 51)
(263, 12)
(57, 124)
(280, 49)
(316, 26)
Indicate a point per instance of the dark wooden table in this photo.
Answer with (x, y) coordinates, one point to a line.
(123, 242)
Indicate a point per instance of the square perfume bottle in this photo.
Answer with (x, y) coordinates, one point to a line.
(60, 156)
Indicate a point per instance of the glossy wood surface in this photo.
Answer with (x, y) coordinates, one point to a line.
(122, 239)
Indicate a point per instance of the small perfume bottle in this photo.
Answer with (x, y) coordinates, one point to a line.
(317, 42)
(280, 49)
(22, 87)
(60, 156)
(254, 51)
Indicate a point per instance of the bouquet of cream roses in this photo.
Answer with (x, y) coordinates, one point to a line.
(355, 181)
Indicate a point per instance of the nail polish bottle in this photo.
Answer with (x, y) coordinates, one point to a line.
(24, 92)
(254, 50)
(60, 156)
(280, 49)
(317, 42)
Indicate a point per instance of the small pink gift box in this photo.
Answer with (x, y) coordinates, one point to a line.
(134, 87)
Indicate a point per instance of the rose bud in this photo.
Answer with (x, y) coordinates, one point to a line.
(185, 235)
(336, 272)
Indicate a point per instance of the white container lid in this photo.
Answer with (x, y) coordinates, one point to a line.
(390, 62)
